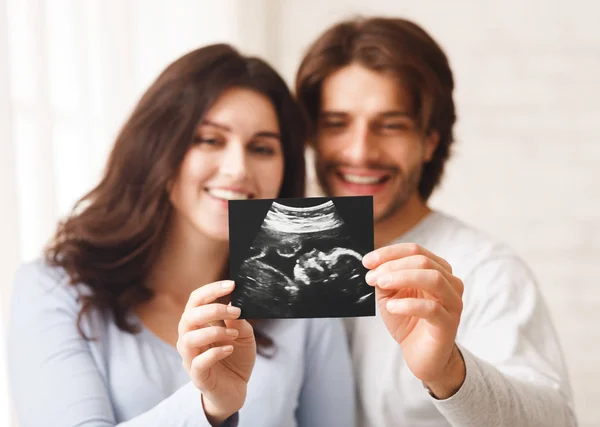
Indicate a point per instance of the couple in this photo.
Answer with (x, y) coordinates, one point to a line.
(126, 320)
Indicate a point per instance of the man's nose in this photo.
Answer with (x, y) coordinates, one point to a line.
(359, 147)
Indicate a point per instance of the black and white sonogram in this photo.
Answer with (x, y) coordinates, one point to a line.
(293, 258)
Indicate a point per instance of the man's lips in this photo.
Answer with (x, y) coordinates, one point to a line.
(362, 183)
(362, 176)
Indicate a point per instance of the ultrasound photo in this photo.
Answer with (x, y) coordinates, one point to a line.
(299, 258)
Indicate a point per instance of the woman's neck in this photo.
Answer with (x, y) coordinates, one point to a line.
(186, 261)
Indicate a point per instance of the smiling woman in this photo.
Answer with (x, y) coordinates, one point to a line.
(235, 155)
(126, 316)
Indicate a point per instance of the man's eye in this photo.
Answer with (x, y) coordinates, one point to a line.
(333, 124)
(394, 126)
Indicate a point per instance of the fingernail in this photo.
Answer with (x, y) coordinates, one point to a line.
(227, 284)
(232, 332)
(368, 259)
(371, 277)
(392, 306)
(227, 348)
(233, 310)
(384, 280)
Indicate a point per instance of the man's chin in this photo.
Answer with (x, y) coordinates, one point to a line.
(382, 210)
(385, 210)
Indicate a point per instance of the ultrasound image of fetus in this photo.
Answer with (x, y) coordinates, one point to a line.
(303, 263)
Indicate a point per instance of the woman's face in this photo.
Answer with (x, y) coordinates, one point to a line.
(236, 154)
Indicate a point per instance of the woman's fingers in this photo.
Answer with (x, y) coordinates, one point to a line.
(197, 317)
(244, 328)
(201, 364)
(209, 293)
(202, 337)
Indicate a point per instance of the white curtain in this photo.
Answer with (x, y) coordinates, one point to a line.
(70, 71)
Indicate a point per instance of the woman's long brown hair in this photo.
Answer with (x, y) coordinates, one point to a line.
(114, 233)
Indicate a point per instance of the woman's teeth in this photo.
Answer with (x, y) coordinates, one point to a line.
(360, 179)
(227, 194)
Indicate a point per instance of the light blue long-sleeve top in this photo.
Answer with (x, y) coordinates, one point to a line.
(130, 380)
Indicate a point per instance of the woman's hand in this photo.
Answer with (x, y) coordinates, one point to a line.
(218, 351)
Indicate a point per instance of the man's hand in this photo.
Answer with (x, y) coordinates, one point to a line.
(420, 302)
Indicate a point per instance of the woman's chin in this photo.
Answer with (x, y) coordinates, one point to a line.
(219, 236)
(217, 232)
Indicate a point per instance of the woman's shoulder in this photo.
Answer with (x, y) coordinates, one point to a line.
(43, 294)
(37, 281)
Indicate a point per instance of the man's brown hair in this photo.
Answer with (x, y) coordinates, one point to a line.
(397, 47)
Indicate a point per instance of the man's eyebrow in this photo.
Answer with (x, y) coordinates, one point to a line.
(333, 114)
(394, 113)
(383, 114)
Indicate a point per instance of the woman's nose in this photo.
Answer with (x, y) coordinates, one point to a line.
(234, 162)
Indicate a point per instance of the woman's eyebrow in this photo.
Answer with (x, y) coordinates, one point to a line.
(216, 125)
(268, 134)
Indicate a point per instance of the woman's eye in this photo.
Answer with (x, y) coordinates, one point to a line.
(263, 149)
(207, 141)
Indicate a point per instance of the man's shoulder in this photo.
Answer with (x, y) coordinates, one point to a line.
(463, 245)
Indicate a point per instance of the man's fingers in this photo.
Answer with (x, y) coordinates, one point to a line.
(377, 257)
(196, 317)
(433, 282)
(384, 293)
(427, 309)
(414, 262)
(209, 293)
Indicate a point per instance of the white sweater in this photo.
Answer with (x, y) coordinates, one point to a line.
(515, 375)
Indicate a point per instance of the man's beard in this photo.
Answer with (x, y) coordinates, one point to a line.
(408, 184)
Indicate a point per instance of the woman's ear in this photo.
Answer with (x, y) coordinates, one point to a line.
(431, 143)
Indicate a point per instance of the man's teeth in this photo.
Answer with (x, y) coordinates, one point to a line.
(227, 194)
(360, 179)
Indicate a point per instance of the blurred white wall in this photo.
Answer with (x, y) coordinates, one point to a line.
(525, 166)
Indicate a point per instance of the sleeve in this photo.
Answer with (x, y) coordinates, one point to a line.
(53, 375)
(327, 397)
(515, 374)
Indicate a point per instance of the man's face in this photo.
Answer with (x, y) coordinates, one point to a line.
(368, 142)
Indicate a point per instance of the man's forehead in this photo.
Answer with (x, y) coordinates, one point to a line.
(357, 90)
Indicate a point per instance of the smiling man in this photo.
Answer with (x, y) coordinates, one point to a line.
(462, 336)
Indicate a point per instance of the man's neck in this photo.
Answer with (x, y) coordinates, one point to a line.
(185, 263)
(404, 219)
